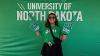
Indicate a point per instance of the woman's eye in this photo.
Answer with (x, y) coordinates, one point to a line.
(51, 17)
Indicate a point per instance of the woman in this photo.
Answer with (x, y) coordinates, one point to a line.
(50, 48)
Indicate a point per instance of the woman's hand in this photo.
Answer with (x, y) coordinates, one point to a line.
(63, 37)
(49, 43)
(37, 33)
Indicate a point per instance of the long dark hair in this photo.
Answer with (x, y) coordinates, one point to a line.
(47, 23)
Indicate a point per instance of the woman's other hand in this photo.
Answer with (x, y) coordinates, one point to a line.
(63, 37)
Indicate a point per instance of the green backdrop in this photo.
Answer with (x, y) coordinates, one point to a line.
(17, 39)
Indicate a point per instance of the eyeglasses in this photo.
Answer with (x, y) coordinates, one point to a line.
(52, 17)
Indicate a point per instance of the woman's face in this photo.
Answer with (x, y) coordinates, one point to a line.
(52, 19)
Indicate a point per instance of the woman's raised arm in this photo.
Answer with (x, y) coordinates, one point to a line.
(35, 25)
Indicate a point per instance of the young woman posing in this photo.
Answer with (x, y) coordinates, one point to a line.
(52, 46)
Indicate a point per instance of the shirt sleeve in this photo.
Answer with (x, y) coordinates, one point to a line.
(34, 24)
(66, 28)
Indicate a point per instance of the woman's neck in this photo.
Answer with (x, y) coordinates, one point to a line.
(52, 24)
